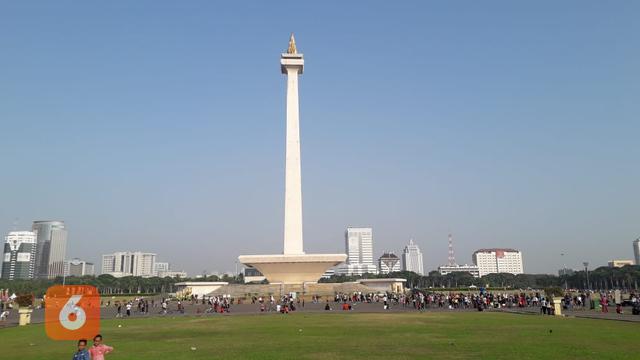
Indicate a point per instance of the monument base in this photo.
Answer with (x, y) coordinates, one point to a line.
(292, 269)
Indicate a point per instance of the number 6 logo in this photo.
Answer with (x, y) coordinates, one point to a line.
(72, 312)
(72, 317)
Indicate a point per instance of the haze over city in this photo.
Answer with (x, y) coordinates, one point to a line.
(161, 128)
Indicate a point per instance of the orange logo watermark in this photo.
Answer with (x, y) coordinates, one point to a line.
(72, 312)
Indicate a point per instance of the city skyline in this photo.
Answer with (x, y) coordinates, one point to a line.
(374, 254)
(522, 138)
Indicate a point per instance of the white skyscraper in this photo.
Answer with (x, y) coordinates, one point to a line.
(412, 258)
(491, 261)
(636, 250)
(121, 264)
(359, 249)
(51, 249)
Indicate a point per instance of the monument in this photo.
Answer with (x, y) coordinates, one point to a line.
(293, 266)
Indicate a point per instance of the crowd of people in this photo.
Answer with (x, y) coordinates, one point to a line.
(483, 300)
(417, 299)
(282, 304)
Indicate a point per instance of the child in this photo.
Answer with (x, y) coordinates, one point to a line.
(82, 353)
(99, 350)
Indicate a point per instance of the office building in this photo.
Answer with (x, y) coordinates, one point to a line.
(455, 268)
(172, 274)
(127, 263)
(388, 263)
(252, 275)
(163, 269)
(492, 261)
(77, 267)
(19, 255)
(412, 258)
(51, 247)
(359, 249)
(160, 267)
(636, 250)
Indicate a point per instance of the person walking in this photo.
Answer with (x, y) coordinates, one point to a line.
(99, 350)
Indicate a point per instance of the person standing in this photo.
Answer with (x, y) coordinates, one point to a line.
(82, 353)
(604, 302)
(99, 350)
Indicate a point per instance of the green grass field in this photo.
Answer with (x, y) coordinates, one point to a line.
(467, 335)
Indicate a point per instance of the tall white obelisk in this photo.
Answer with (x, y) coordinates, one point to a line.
(293, 266)
(292, 65)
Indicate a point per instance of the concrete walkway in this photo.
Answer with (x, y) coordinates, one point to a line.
(248, 309)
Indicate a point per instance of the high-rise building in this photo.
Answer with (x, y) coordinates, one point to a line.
(491, 261)
(19, 255)
(127, 263)
(77, 267)
(51, 242)
(388, 263)
(636, 250)
(359, 249)
(160, 267)
(412, 258)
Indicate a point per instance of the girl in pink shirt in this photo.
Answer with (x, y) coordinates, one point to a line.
(99, 350)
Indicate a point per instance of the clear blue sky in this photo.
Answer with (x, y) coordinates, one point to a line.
(159, 126)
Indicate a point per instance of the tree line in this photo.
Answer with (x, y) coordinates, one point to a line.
(109, 285)
(602, 278)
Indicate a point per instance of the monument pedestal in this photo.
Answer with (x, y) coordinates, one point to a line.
(293, 269)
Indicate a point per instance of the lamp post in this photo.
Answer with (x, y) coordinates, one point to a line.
(564, 271)
(586, 270)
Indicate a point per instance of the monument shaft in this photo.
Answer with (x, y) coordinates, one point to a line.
(293, 181)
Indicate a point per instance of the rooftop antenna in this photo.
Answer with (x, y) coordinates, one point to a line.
(452, 257)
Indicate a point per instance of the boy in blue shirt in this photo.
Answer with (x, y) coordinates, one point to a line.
(82, 353)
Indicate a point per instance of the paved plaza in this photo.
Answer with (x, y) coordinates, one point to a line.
(310, 307)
